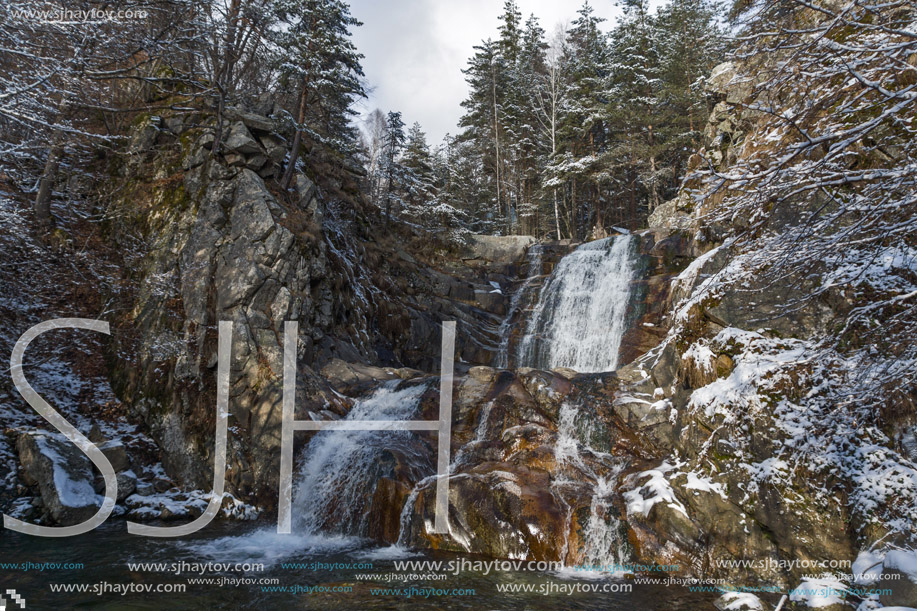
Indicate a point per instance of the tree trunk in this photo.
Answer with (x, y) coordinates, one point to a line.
(218, 131)
(654, 194)
(300, 119)
(224, 72)
(573, 210)
(493, 82)
(46, 187)
(297, 140)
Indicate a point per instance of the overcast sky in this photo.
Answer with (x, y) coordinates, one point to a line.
(416, 49)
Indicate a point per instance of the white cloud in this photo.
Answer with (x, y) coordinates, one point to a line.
(416, 49)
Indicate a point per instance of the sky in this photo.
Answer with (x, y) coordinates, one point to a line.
(416, 49)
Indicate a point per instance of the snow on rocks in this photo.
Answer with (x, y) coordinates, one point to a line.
(175, 504)
(62, 473)
(904, 561)
(820, 592)
(738, 601)
(892, 572)
(651, 488)
(801, 390)
(656, 486)
(699, 483)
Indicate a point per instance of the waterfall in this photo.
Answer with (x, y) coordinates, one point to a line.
(480, 435)
(604, 546)
(340, 467)
(580, 316)
(532, 272)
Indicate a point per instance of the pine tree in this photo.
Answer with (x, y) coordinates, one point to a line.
(417, 161)
(394, 174)
(692, 44)
(317, 59)
(583, 126)
(634, 96)
(510, 41)
(463, 184)
(599, 132)
(487, 76)
(530, 147)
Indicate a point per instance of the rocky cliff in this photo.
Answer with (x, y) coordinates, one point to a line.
(211, 240)
(777, 432)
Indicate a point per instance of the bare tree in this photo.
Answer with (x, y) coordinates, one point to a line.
(825, 185)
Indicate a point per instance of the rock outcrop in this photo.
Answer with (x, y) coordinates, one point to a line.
(222, 244)
(497, 251)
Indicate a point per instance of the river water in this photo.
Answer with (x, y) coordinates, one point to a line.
(106, 552)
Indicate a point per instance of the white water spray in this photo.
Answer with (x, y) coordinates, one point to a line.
(337, 465)
(603, 544)
(581, 313)
(533, 271)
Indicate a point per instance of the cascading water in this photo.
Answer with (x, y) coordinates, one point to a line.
(580, 317)
(578, 323)
(338, 467)
(604, 547)
(533, 271)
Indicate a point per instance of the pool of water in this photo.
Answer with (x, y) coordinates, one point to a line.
(105, 555)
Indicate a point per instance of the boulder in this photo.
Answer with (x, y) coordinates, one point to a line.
(499, 250)
(175, 124)
(196, 159)
(63, 474)
(144, 488)
(738, 601)
(144, 138)
(240, 140)
(116, 454)
(305, 189)
(498, 513)
(343, 375)
(275, 147)
(255, 162)
(127, 484)
(265, 104)
(251, 120)
(725, 79)
(234, 160)
(96, 435)
(899, 576)
(667, 215)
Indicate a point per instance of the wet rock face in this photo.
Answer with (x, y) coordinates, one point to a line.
(661, 254)
(242, 256)
(497, 251)
(532, 474)
(899, 580)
